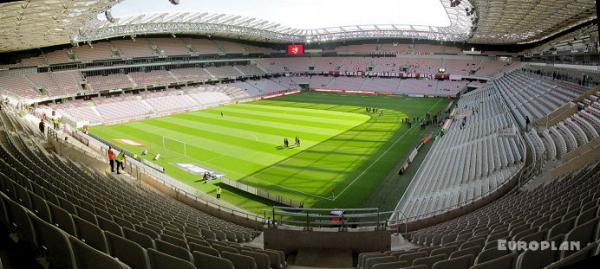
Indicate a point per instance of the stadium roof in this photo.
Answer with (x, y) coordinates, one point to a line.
(289, 21)
(512, 21)
(40, 23)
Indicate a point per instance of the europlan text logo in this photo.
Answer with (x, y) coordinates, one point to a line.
(538, 245)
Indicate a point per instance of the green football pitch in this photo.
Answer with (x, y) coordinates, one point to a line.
(344, 154)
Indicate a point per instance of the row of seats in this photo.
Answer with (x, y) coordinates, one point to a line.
(534, 96)
(141, 47)
(394, 65)
(104, 110)
(565, 210)
(476, 155)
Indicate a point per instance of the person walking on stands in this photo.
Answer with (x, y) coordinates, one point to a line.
(42, 126)
(111, 158)
(55, 123)
(219, 190)
(120, 159)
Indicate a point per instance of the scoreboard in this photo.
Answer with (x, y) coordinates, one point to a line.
(295, 49)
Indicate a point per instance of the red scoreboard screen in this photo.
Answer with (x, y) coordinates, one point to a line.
(295, 49)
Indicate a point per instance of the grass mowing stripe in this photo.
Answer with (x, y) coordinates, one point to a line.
(225, 147)
(271, 130)
(308, 113)
(265, 123)
(253, 135)
(290, 118)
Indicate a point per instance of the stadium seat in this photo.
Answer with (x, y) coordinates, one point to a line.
(584, 234)
(142, 239)
(536, 259)
(160, 260)
(462, 262)
(490, 254)
(472, 251)
(429, 261)
(372, 261)
(503, 262)
(204, 249)
(576, 257)
(87, 257)
(391, 265)
(54, 243)
(173, 250)
(410, 257)
(127, 251)
(90, 234)
(203, 260)
(262, 260)
(20, 221)
(239, 261)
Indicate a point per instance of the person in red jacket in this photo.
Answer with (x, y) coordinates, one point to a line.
(111, 158)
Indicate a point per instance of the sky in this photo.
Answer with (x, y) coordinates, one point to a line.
(303, 14)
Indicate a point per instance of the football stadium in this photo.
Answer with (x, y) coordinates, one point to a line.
(256, 134)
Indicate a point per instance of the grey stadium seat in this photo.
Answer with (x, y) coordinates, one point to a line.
(87, 257)
(262, 260)
(90, 234)
(277, 261)
(536, 259)
(204, 249)
(160, 260)
(109, 225)
(472, 250)
(173, 250)
(222, 248)
(205, 261)
(362, 257)
(429, 261)
(584, 234)
(21, 222)
(462, 262)
(391, 265)
(239, 261)
(490, 254)
(444, 250)
(130, 252)
(504, 262)
(55, 243)
(371, 261)
(142, 239)
(411, 256)
(576, 257)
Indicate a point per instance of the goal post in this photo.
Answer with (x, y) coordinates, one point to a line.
(174, 145)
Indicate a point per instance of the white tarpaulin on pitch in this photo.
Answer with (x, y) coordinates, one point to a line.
(196, 170)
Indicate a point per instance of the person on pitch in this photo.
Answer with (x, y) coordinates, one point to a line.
(297, 141)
